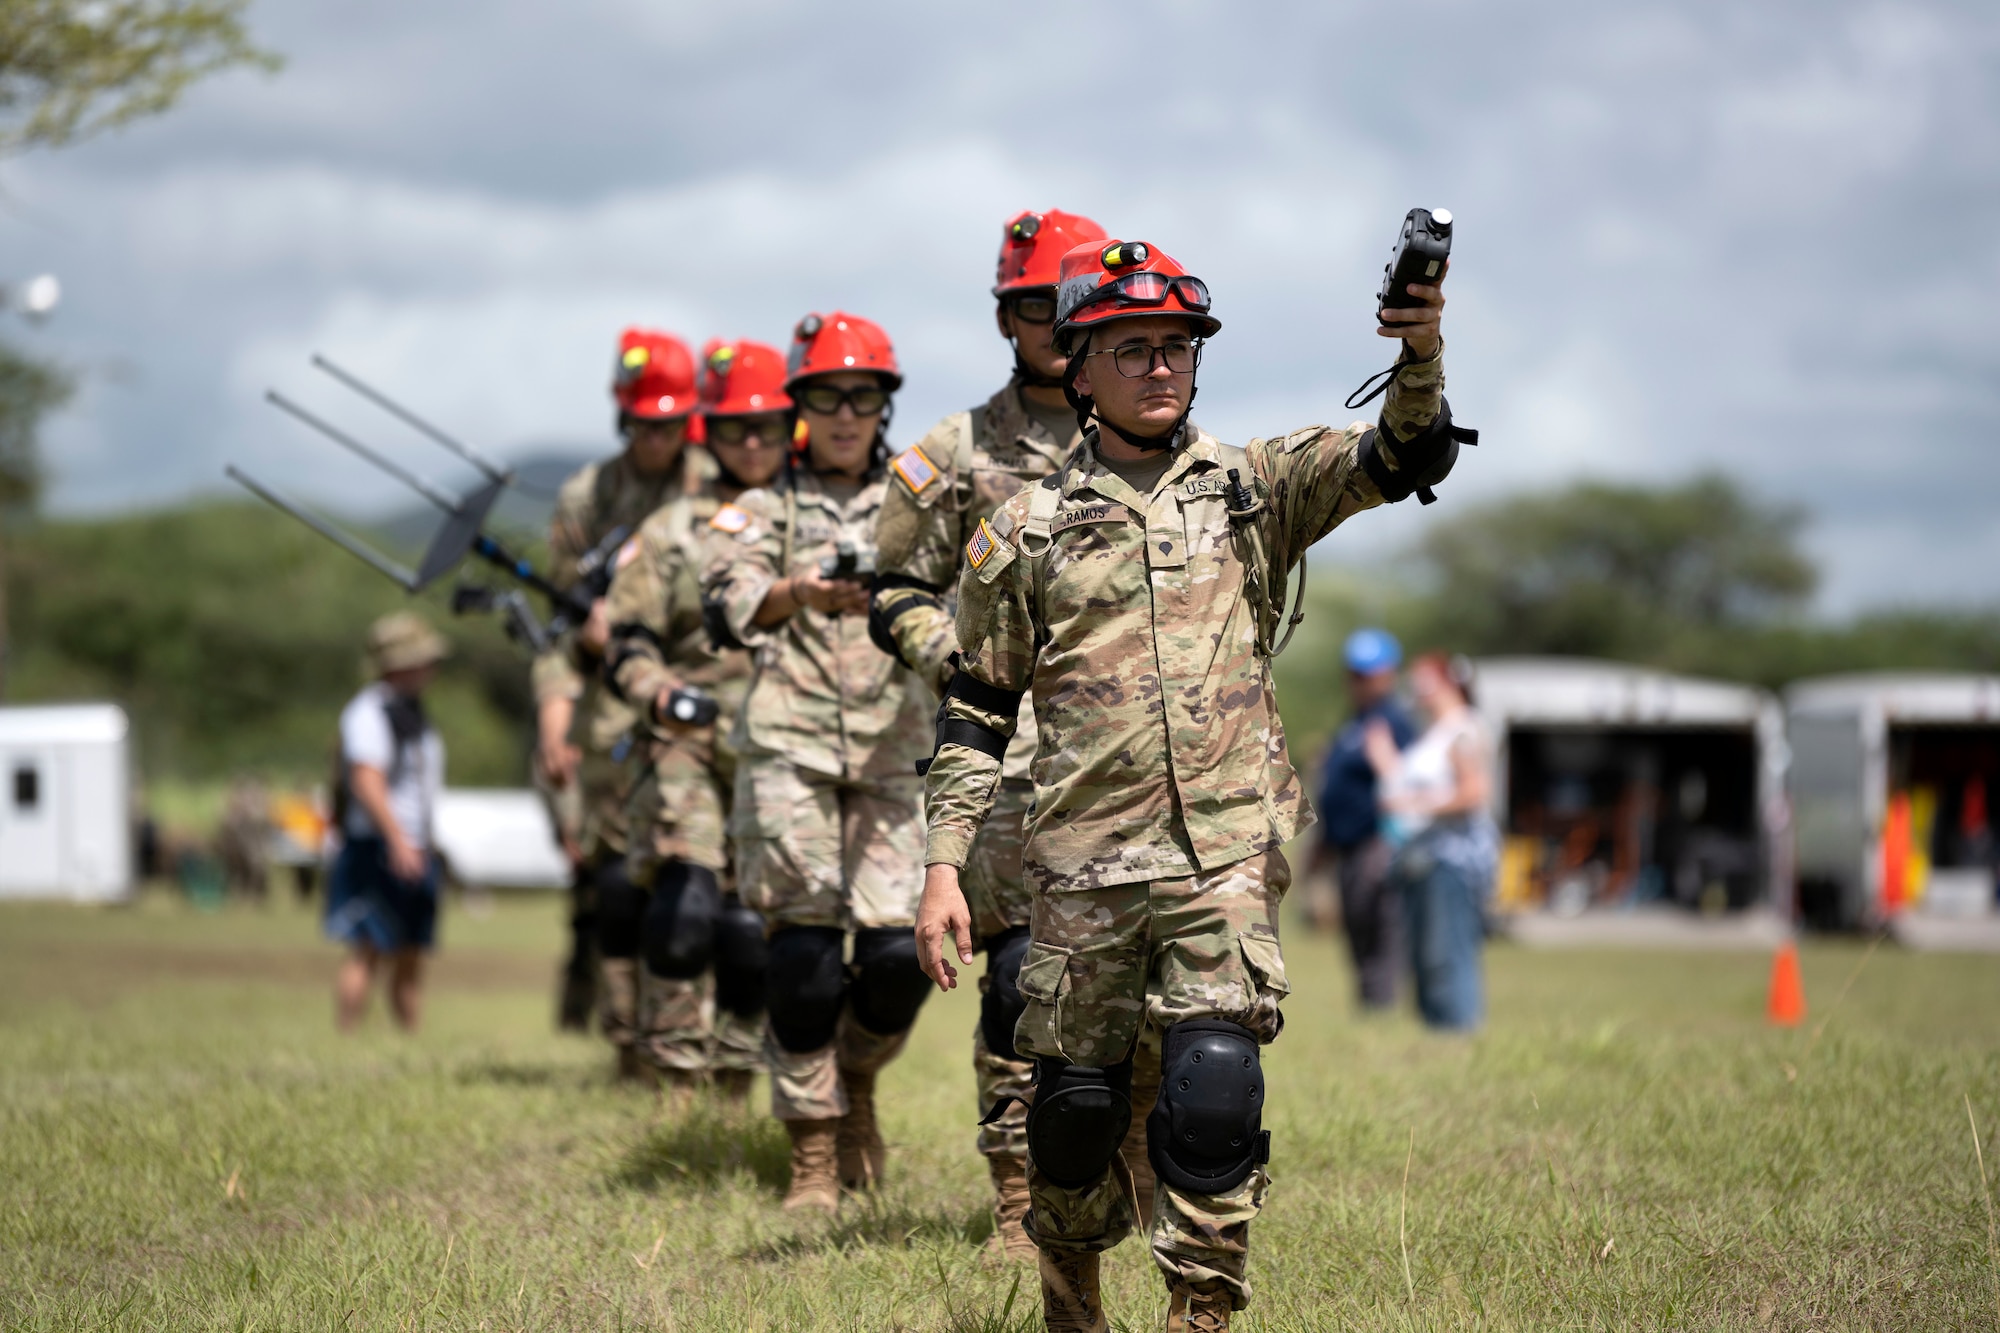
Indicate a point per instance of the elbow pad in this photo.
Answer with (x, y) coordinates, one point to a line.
(882, 622)
(1422, 461)
(963, 731)
(720, 636)
(624, 647)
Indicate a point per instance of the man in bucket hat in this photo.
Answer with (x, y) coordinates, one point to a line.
(382, 895)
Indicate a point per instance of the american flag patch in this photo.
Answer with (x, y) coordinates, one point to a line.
(980, 547)
(627, 553)
(729, 519)
(914, 466)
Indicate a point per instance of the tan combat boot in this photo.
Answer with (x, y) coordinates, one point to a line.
(733, 1084)
(863, 1155)
(1198, 1310)
(815, 1187)
(1010, 1205)
(1070, 1303)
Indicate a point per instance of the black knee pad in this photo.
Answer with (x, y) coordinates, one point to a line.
(621, 911)
(680, 921)
(741, 959)
(889, 985)
(1002, 1006)
(804, 984)
(1078, 1120)
(1205, 1134)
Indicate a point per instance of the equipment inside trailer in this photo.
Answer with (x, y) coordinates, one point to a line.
(1938, 832)
(1600, 817)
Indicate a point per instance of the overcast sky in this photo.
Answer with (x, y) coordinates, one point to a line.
(1764, 238)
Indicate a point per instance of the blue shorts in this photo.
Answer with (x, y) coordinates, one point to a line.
(365, 904)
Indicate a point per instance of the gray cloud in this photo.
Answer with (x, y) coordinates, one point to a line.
(1755, 237)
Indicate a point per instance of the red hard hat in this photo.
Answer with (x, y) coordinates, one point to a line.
(828, 344)
(742, 378)
(1033, 244)
(1122, 280)
(654, 377)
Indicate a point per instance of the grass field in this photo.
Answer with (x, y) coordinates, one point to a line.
(185, 1144)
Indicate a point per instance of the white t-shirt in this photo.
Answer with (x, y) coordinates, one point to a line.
(1429, 769)
(414, 783)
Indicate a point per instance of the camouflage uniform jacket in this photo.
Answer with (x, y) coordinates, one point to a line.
(1161, 751)
(596, 500)
(939, 489)
(822, 695)
(654, 607)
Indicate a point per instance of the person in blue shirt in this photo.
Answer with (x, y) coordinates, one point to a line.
(1350, 817)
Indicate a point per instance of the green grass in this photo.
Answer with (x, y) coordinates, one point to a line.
(1627, 1146)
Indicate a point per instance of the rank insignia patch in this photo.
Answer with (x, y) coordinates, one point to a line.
(980, 547)
(729, 519)
(915, 468)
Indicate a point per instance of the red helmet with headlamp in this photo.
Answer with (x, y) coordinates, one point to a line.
(742, 378)
(1032, 246)
(1100, 282)
(836, 342)
(654, 378)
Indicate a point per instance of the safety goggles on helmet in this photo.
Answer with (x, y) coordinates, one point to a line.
(867, 400)
(768, 426)
(1145, 288)
(1137, 360)
(1033, 307)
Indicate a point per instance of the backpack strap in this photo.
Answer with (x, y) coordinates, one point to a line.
(1033, 537)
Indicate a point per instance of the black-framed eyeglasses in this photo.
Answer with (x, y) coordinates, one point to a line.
(1033, 307)
(1137, 360)
(769, 427)
(867, 400)
(1151, 289)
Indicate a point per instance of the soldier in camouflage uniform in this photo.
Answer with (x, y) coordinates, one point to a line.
(939, 490)
(586, 733)
(828, 827)
(1139, 592)
(701, 1007)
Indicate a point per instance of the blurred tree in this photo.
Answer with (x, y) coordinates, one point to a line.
(70, 69)
(73, 68)
(1613, 571)
(233, 635)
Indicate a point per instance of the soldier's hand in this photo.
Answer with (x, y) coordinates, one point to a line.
(943, 913)
(1417, 326)
(595, 633)
(559, 760)
(832, 597)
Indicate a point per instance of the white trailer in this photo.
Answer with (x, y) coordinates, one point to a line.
(65, 803)
(1622, 787)
(500, 838)
(1895, 781)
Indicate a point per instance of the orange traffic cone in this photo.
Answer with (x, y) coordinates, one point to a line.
(1785, 1007)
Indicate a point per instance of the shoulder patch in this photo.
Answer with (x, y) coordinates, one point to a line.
(981, 547)
(915, 468)
(729, 519)
(627, 553)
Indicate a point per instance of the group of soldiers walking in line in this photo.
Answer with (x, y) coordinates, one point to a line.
(845, 711)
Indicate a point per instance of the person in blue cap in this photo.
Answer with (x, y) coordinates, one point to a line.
(1350, 817)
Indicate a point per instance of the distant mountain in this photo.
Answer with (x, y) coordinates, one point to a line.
(524, 507)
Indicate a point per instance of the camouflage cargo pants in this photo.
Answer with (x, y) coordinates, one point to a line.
(997, 894)
(682, 1028)
(814, 850)
(1104, 964)
(678, 811)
